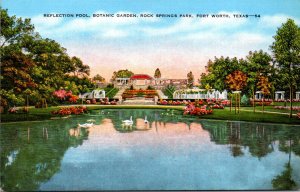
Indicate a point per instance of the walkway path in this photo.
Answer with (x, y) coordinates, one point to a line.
(161, 95)
(119, 94)
(258, 111)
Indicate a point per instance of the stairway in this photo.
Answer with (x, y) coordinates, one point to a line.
(119, 94)
(161, 95)
(140, 101)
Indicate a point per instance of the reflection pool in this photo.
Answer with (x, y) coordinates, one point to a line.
(170, 152)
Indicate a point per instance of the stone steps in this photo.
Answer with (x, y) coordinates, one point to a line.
(119, 94)
(138, 102)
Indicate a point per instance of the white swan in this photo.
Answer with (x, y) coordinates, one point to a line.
(128, 121)
(86, 125)
(146, 121)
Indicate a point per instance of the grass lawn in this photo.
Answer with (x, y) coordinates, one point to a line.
(223, 114)
(268, 108)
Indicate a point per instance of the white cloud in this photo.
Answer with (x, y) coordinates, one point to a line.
(274, 21)
(40, 20)
(196, 24)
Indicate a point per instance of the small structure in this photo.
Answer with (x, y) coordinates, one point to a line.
(141, 81)
(95, 94)
(279, 95)
(199, 94)
(298, 95)
(258, 95)
(119, 82)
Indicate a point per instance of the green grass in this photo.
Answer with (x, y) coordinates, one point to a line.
(110, 92)
(222, 114)
(169, 92)
(225, 114)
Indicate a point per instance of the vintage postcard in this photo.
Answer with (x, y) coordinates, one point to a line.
(150, 95)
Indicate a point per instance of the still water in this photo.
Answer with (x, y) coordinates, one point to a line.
(170, 152)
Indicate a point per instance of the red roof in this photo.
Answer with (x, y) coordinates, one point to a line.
(140, 77)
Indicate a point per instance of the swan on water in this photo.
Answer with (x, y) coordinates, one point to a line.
(128, 121)
(146, 121)
(86, 125)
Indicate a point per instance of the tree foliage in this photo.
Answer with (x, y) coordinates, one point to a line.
(190, 79)
(157, 73)
(98, 78)
(236, 80)
(34, 66)
(124, 73)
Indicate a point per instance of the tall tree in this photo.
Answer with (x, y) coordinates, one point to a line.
(157, 73)
(124, 73)
(286, 49)
(98, 78)
(259, 63)
(217, 70)
(264, 86)
(13, 29)
(236, 82)
(190, 79)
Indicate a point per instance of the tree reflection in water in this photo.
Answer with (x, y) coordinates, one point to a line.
(25, 165)
(259, 139)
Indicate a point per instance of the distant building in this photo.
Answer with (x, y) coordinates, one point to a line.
(142, 81)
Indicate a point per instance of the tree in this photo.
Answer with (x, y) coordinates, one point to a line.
(190, 79)
(13, 29)
(236, 81)
(98, 78)
(124, 73)
(286, 49)
(157, 73)
(80, 68)
(259, 63)
(217, 70)
(264, 86)
(33, 67)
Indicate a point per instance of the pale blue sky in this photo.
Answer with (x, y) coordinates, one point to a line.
(176, 45)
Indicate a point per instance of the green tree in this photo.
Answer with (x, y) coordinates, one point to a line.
(259, 63)
(124, 73)
(13, 29)
(286, 49)
(157, 73)
(190, 79)
(217, 70)
(34, 67)
(98, 78)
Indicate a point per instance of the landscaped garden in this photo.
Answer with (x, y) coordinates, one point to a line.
(139, 93)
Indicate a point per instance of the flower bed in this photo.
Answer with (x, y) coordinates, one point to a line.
(260, 102)
(165, 102)
(298, 115)
(139, 93)
(70, 110)
(296, 108)
(101, 102)
(286, 100)
(63, 95)
(191, 109)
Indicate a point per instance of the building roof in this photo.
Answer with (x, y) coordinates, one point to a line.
(140, 77)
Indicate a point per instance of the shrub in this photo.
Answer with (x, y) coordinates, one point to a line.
(245, 100)
(70, 110)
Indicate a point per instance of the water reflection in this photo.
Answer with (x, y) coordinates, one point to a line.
(197, 154)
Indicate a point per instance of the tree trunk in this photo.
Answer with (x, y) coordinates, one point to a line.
(291, 101)
(239, 97)
(230, 102)
(235, 103)
(253, 100)
(263, 106)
